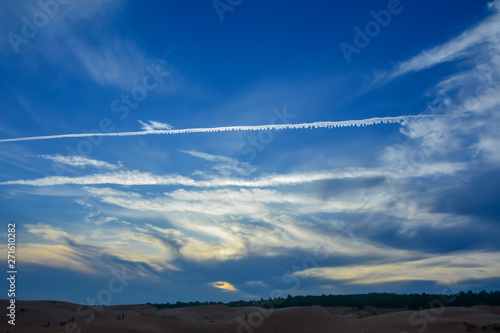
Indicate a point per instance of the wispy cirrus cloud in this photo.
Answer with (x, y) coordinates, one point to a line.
(226, 165)
(137, 178)
(92, 250)
(256, 283)
(208, 157)
(468, 99)
(485, 32)
(79, 161)
(234, 224)
(46, 232)
(155, 125)
(108, 60)
(441, 269)
(114, 62)
(95, 216)
(488, 145)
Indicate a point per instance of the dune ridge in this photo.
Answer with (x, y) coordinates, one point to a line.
(33, 316)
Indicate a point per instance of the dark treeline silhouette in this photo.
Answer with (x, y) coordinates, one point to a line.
(379, 300)
(184, 304)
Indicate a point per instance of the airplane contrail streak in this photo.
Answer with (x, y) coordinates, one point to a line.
(319, 124)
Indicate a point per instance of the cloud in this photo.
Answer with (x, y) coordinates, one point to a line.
(58, 256)
(46, 232)
(208, 157)
(121, 177)
(105, 58)
(227, 166)
(226, 286)
(315, 125)
(78, 161)
(467, 102)
(233, 224)
(440, 269)
(100, 219)
(155, 125)
(95, 216)
(98, 249)
(84, 204)
(114, 62)
(459, 47)
(138, 178)
(256, 283)
(201, 251)
(489, 144)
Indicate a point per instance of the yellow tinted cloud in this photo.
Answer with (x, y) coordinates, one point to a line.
(58, 256)
(223, 285)
(442, 269)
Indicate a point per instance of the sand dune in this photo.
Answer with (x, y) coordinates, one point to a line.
(220, 319)
(450, 319)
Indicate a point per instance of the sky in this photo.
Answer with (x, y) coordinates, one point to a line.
(163, 151)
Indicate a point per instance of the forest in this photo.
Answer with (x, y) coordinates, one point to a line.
(379, 300)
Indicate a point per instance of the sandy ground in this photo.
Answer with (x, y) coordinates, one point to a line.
(35, 316)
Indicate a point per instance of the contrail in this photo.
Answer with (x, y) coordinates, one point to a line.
(319, 124)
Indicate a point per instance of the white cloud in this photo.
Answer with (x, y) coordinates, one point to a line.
(467, 102)
(95, 216)
(145, 178)
(441, 269)
(46, 232)
(459, 47)
(106, 59)
(227, 165)
(100, 219)
(155, 125)
(489, 145)
(259, 203)
(201, 251)
(231, 224)
(167, 232)
(79, 161)
(209, 157)
(114, 62)
(84, 204)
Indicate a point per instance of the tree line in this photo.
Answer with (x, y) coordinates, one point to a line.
(379, 300)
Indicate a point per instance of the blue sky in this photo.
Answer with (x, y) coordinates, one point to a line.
(410, 205)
